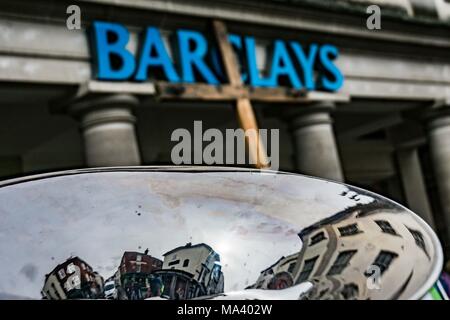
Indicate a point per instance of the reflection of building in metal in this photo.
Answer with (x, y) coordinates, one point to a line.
(278, 275)
(136, 262)
(135, 273)
(73, 279)
(346, 255)
(390, 135)
(191, 271)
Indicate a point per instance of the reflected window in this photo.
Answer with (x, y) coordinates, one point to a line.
(185, 263)
(172, 263)
(341, 262)
(383, 261)
(216, 272)
(308, 267)
(71, 268)
(291, 267)
(386, 227)
(418, 238)
(61, 273)
(349, 230)
(322, 293)
(350, 291)
(56, 291)
(76, 281)
(317, 238)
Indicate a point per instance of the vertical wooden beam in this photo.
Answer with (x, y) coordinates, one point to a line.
(244, 109)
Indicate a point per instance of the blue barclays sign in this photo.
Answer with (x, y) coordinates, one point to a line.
(291, 64)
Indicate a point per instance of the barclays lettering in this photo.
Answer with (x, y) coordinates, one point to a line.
(291, 64)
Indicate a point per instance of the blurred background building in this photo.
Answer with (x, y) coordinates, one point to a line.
(391, 137)
(338, 262)
(73, 279)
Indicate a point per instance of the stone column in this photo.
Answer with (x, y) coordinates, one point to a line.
(414, 184)
(108, 130)
(315, 147)
(439, 139)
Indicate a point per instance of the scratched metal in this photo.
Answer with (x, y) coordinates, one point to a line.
(269, 236)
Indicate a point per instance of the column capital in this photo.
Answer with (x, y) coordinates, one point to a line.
(107, 126)
(102, 102)
(438, 115)
(315, 147)
(311, 114)
(314, 107)
(438, 137)
(77, 107)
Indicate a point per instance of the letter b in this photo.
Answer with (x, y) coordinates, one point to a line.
(110, 41)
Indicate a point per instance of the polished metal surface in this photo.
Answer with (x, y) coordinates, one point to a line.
(206, 233)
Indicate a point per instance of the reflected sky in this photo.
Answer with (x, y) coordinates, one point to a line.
(250, 220)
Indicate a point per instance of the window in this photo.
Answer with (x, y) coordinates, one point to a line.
(291, 267)
(322, 293)
(172, 263)
(138, 267)
(341, 262)
(216, 272)
(68, 286)
(308, 267)
(109, 286)
(71, 268)
(349, 230)
(418, 238)
(61, 274)
(56, 291)
(76, 281)
(385, 227)
(383, 261)
(350, 291)
(185, 263)
(317, 238)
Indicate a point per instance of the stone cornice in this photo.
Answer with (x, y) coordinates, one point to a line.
(352, 24)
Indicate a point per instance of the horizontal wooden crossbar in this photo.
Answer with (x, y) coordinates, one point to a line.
(226, 92)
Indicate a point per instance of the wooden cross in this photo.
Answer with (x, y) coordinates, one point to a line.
(244, 108)
(240, 94)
